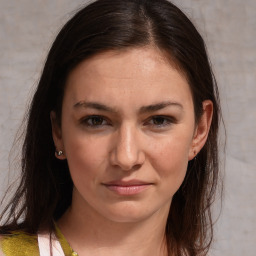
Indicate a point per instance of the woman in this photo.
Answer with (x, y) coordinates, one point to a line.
(120, 155)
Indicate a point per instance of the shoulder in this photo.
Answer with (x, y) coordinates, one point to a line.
(18, 244)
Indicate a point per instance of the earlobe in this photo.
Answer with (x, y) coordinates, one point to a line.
(57, 137)
(202, 129)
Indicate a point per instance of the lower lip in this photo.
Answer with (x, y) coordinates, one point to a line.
(128, 190)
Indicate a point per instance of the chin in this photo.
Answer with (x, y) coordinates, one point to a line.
(128, 218)
(130, 212)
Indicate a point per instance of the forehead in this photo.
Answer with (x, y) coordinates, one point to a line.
(130, 62)
(139, 74)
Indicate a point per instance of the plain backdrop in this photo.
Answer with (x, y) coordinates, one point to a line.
(27, 29)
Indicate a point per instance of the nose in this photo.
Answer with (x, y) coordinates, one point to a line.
(126, 151)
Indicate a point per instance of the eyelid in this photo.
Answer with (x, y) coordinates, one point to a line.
(167, 121)
(84, 121)
(170, 120)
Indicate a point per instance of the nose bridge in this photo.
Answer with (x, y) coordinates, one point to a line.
(127, 152)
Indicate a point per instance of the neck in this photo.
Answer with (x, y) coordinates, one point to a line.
(89, 233)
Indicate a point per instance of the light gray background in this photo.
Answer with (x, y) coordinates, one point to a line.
(27, 29)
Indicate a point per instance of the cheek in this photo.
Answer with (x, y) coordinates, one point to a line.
(170, 160)
(86, 156)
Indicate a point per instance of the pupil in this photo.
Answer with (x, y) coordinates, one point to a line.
(158, 120)
(97, 120)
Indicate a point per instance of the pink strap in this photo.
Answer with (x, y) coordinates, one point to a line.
(45, 246)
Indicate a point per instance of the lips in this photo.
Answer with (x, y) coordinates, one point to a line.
(131, 187)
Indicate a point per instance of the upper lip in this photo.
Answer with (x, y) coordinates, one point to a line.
(126, 183)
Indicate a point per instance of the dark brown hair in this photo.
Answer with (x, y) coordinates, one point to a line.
(45, 189)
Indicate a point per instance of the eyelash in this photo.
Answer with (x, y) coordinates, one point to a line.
(88, 119)
(166, 121)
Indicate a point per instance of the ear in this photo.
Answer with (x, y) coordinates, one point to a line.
(57, 137)
(202, 129)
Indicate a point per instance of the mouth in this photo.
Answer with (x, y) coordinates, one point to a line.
(131, 187)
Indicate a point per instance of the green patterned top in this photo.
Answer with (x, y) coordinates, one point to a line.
(22, 244)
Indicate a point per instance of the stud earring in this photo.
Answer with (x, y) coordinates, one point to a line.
(195, 157)
(59, 153)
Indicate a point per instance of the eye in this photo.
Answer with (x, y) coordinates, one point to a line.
(95, 121)
(160, 121)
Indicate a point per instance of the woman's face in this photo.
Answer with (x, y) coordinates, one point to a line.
(128, 132)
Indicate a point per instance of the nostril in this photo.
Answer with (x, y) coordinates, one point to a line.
(130, 168)
(136, 167)
(127, 163)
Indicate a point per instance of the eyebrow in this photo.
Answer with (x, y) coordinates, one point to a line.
(159, 106)
(94, 105)
(143, 109)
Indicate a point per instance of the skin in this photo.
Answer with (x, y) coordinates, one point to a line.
(127, 118)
